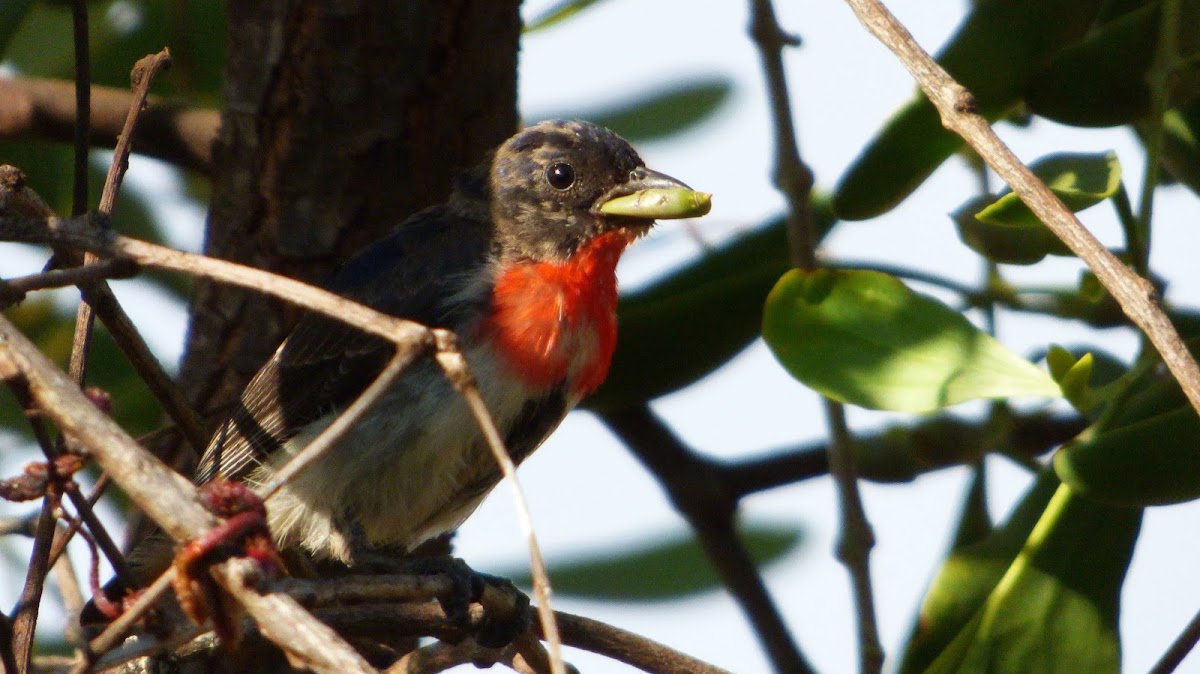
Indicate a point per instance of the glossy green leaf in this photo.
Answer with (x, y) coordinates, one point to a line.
(1040, 595)
(674, 566)
(654, 321)
(1080, 180)
(1152, 462)
(1005, 230)
(667, 111)
(992, 53)
(561, 11)
(862, 337)
(1002, 242)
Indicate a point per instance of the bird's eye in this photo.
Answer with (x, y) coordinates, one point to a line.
(560, 176)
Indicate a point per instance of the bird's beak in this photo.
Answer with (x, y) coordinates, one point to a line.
(650, 195)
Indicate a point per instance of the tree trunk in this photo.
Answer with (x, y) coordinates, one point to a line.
(340, 120)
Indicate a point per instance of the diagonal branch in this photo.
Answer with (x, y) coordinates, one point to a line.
(1137, 296)
(698, 491)
(171, 500)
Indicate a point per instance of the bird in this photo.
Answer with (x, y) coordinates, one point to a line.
(519, 262)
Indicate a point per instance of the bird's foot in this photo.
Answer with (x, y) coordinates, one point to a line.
(242, 531)
(506, 611)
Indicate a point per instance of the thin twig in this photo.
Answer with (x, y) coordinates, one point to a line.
(141, 77)
(83, 106)
(116, 631)
(455, 366)
(26, 614)
(171, 500)
(1179, 649)
(1166, 55)
(795, 180)
(70, 592)
(632, 649)
(343, 423)
(1137, 296)
(14, 290)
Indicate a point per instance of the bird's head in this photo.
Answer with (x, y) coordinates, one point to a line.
(559, 184)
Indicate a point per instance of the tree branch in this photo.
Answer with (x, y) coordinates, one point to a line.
(698, 491)
(41, 108)
(1137, 296)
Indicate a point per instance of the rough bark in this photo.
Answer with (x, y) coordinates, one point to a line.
(340, 119)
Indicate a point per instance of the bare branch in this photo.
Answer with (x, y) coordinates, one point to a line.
(171, 500)
(39, 108)
(455, 367)
(698, 491)
(795, 180)
(632, 649)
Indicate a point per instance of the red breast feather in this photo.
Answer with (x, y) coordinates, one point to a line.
(555, 322)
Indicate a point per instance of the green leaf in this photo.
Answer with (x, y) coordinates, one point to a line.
(673, 567)
(1080, 180)
(12, 15)
(999, 43)
(1040, 595)
(1181, 144)
(1005, 230)
(562, 11)
(1151, 462)
(1101, 80)
(668, 111)
(974, 522)
(1073, 376)
(863, 337)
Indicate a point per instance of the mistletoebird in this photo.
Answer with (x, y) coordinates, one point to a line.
(520, 263)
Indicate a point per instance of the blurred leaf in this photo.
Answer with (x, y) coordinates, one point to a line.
(668, 111)
(1040, 595)
(12, 15)
(999, 43)
(1102, 79)
(47, 168)
(655, 321)
(562, 11)
(863, 337)
(673, 567)
(1005, 230)
(1181, 144)
(42, 45)
(123, 31)
(52, 329)
(974, 522)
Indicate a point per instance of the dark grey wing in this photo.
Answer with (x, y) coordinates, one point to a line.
(325, 364)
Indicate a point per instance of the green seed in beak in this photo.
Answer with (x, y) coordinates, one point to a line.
(660, 204)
